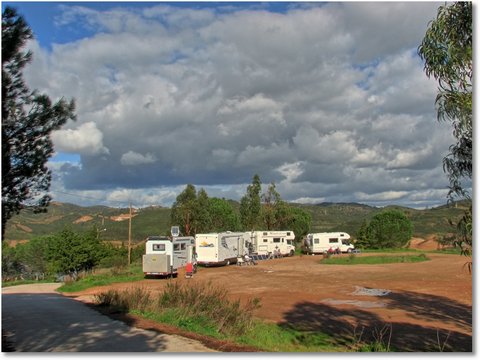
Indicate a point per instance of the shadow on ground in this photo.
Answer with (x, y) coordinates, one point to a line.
(349, 325)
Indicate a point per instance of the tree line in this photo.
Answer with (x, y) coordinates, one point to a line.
(195, 212)
(65, 253)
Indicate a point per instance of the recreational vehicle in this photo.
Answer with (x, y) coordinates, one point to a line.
(164, 255)
(219, 248)
(271, 242)
(322, 242)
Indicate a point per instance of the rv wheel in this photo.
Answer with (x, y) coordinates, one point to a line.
(292, 252)
(349, 251)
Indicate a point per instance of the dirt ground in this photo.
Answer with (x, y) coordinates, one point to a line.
(423, 306)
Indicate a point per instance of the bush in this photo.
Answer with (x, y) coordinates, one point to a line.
(389, 229)
(193, 305)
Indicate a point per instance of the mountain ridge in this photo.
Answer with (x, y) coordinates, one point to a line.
(155, 220)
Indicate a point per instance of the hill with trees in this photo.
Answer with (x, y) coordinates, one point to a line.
(155, 220)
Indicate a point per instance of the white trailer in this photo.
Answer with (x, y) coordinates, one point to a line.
(219, 248)
(164, 255)
(319, 243)
(271, 242)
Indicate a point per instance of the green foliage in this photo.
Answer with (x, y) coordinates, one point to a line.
(198, 213)
(28, 118)
(11, 266)
(250, 205)
(69, 252)
(389, 229)
(447, 52)
(272, 209)
(195, 306)
(183, 210)
(462, 237)
(121, 275)
(223, 216)
(277, 338)
(66, 252)
(298, 220)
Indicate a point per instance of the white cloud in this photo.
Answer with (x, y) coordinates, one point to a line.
(85, 140)
(383, 196)
(134, 158)
(327, 101)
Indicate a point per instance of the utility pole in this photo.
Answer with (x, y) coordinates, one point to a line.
(130, 234)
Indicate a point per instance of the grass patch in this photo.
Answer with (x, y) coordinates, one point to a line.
(276, 338)
(25, 282)
(206, 309)
(354, 259)
(193, 307)
(135, 273)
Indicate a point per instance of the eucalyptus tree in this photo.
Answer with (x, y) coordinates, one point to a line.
(447, 52)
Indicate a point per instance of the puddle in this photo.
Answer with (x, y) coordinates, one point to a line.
(361, 304)
(370, 292)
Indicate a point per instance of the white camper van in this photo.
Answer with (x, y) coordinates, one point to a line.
(322, 242)
(164, 256)
(271, 242)
(219, 248)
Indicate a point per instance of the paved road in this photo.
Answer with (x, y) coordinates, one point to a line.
(37, 319)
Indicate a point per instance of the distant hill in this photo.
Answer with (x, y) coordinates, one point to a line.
(155, 220)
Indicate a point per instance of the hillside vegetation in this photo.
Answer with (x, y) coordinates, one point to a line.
(347, 217)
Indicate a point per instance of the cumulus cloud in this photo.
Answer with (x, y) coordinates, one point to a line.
(85, 140)
(134, 158)
(328, 100)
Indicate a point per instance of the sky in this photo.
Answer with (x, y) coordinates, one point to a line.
(327, 100)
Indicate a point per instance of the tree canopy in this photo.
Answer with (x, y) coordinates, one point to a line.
(447, 52)
(28, 118)
(389, 229)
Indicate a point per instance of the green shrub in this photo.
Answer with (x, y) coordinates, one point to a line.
(193, 304)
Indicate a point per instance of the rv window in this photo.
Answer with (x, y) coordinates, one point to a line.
(345, 242)
(288, 233)
(183, 246)
(276, 240)
(265, 234)
(333, 240)
(283, 240)
(158, 247)
(316, 241)
(289, 242)
(265, 240)
(342, 235)
(176, 247)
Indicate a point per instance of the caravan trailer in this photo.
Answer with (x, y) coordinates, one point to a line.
(271, 242)
(219, 248)
(319, 243)
(164, 256)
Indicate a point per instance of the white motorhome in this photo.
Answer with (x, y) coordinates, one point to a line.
(322, 242)
(219, 248)
(164, 255)
(271, 242)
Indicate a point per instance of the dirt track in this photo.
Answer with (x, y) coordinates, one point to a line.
(424, 305)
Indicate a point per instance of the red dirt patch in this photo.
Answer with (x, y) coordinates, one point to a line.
(83, 219)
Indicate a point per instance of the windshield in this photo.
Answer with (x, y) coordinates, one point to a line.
(345, 242)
